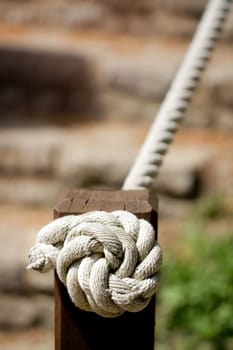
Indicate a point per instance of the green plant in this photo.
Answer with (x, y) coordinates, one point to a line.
(211, 207)
(196, 294)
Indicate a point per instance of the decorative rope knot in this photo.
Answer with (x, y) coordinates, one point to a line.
(109, 262)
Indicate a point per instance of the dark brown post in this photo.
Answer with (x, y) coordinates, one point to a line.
(76, 329)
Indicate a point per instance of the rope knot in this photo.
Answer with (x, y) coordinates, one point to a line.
(109, 262)
(42, 257)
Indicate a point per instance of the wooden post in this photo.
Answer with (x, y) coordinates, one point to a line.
(76, 329)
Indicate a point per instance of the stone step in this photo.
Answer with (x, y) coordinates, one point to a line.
(36, 165)
(83, 75)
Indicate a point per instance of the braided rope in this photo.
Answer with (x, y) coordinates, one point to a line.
(109, 262)
(178, 98)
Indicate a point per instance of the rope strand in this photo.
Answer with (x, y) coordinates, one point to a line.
(178, 98)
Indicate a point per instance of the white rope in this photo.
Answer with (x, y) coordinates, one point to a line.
(178, 98)
(109, 262)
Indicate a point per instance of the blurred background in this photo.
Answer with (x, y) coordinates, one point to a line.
(80, 83)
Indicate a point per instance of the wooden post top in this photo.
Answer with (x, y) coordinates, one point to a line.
(139, 202)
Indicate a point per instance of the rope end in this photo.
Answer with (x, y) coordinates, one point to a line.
(33, 266)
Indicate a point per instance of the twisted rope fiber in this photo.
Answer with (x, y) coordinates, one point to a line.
(177, 100)
(109, 262)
